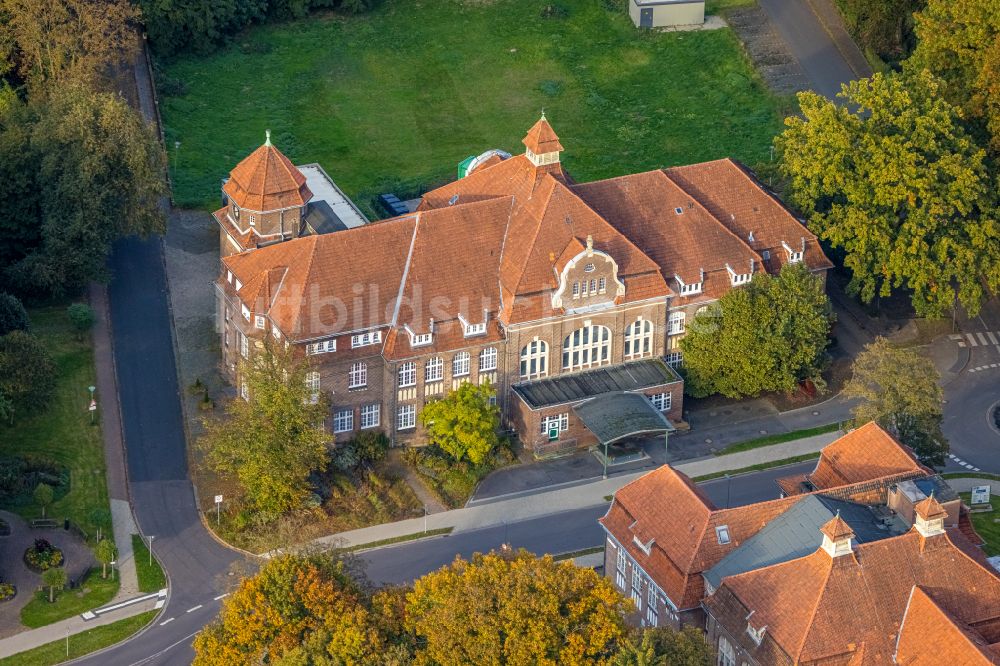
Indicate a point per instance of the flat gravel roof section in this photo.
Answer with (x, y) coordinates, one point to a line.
(615, 416)
(324, 189)
(630, 376)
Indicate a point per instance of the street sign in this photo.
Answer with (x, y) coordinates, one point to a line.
(93, 406)
(218, 499)
(981, 495)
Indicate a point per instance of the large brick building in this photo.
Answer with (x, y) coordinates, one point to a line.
(871, 559)
(553, 291)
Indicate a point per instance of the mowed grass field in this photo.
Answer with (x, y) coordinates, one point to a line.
(392, 100)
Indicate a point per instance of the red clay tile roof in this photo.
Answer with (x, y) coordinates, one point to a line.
(541, 138)
(818, 607)
(929, 631)
(267, 180)
(866, 453)
(837, 529)
(929, 508)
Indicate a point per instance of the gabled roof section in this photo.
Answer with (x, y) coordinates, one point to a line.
(930, 631)
(541, 138)
(864, 454)
(266, 180)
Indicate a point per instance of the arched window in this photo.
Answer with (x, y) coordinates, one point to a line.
(639, 339)
(434, 371)
(488, 359)
(407, 374)
(587, 347)
(312, 385)
(460, 364)
(534, 359)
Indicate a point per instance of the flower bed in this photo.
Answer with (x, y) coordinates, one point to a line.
(42, 556)
(7, 592)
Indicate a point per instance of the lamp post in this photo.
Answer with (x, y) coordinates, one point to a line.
(113, 563)
(151, 537)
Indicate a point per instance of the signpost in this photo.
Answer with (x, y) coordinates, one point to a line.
(93, 405)
(218, 509)
(980, 495)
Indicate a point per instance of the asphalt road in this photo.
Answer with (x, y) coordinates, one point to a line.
(557, 533)
(162, 496)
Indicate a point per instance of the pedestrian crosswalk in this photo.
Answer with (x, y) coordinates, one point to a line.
(963, 463)
(977, 339)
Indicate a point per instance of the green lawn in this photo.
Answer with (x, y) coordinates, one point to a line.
(758, 467)
(62, 432)
(988, 525)
(93, 593)
(80, 644)
(779, 438)
(394, 99)
(151, 578)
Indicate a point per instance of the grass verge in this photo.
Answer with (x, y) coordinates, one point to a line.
(578, 553)
(62, 432)
(148, 570)
(80, 644)
(394, 99)
(398, 539)
(758, 467)
(93, 592)
(970, 475)
(779, 438)
(987, 525)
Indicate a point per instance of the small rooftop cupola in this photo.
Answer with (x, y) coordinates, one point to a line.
(267, 181)
(837, 537)
(541, 144)
(929, 517)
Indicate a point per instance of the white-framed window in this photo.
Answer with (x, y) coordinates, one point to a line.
(343, 420)
(358, 375)
(226, 337)
(275, 333)
(722, 534)
(661, 401)
(312, 385)
(239, 285)
(245, 311)
(675, 324)
(406, 417)
(651, 598)
(421, 339)
(535, 359)
(576, 290)
(560, 421)
(765, 255)
(434, 370)
(236, 211)
(674, 359)
(727, 655)
(370, 415)
(739, 278)
(639, 339)
(652, 619)
(258, 321)
(472, 330)
(488, 359)
(366, 338)
(229, 276)
(244, 344)
(587, 347)
(460, 364)
(253, 219)
(621, 559)
(794, 256)
(407, 374)
(637, 586)
(227, 313)
(688, 289)
(244, 389)
(324, 347)
(602, 285)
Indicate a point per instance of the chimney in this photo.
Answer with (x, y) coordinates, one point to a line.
(837, 537)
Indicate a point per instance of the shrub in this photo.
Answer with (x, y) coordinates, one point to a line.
(81, 316)
(27, 372)
(19, 476)
(7, 591)
(42, 556)
(13, 316)
(367, 449)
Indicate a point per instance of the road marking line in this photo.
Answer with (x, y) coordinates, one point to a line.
(976, 469)
(167, 621)
(955, 336)
(221, 596)
(972, 340)
(982, 339)
(191, 610)
(993, 339)
(88, 615)
(965, 463)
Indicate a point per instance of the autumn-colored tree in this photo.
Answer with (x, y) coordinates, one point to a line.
(274, 440)
(665, 646)
(515, 608)
(464, 423)
(959, 41)
(105, 552)
(893, 179)
(61, 40)
(766, 336)
(296, 610)
(899, 389)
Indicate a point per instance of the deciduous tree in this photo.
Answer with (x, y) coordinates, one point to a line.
(893, 179)
(27, 373)
(464, 423)
(665, 646)
(899, 389)
(515, 608)
(766, 336)
(296, 610)
(81, 316)
(274, 440)
(54, 578)
(105, 552)
(43, 496)
(13, 316)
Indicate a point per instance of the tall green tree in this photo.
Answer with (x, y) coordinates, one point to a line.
(99, 177)
(665, 646)
(105, 552)
(13, 316)
(766, 336)
(883, 26)
(893, 179)
(273, 441)
(27, 372)
(959, 41)
(464, 423)
(54, 578)
(899, 389)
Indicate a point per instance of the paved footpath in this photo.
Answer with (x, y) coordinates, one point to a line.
(575, 495)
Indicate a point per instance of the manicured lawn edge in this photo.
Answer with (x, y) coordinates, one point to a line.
(970, 475)
(986, 526)
(39, 612)
(578, 553)
(758, 467)
(80, 644)
(779, 438)
(151, 576)
(398, 539)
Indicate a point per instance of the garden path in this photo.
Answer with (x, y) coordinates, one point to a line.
(395, 465)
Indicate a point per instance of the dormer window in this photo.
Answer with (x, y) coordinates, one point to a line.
(722, 534)
(471, 329)
(229, 277)
(687, 289)
(793, 256)
(736, 279)
(324, 347)
(644, 547)
(420, 339)
(245, 311)
(259, 322)
(756, 634)
(366, 338)
(239, 285)
(236, 211)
